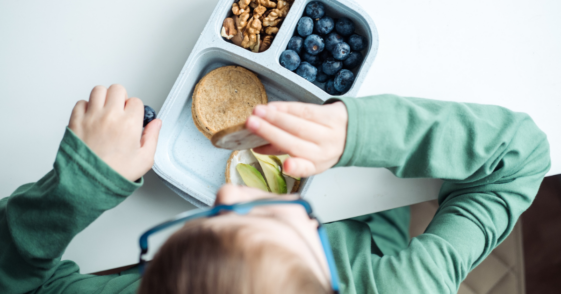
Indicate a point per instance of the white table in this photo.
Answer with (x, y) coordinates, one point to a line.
(53, 52)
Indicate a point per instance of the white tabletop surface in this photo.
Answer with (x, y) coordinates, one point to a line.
(53, 52)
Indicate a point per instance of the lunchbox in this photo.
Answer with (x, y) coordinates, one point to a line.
(186, 160)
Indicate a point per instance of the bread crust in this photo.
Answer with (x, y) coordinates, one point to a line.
(197, 122)
(228, 181)
(296, 186)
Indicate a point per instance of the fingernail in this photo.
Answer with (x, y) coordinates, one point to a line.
(252, 123)
(260, 111)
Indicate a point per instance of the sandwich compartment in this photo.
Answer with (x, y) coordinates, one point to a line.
(186, 160)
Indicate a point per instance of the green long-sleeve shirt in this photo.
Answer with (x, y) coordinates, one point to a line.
(492, 160)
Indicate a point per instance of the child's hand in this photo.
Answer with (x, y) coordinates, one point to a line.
(314, 136)
(111, 125)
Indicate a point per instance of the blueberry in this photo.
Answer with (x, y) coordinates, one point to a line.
(330, 88)
(331, 66)
(315, 9)
(354, 60)
(295, 44)
(341, 51)
(149, 115)
(345, 26)
(344, 80)
(305, 26)
(314, 60)
(357, 42)
(333, 39)
(307, 71)
(322, 77)
(290, 60)
(313, 44)
(324, 25)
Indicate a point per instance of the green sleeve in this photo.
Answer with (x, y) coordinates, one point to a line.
(492, 161)
(38, 221)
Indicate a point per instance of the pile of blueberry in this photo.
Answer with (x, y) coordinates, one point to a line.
(324, 50)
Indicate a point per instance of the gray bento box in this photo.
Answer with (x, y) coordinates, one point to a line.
(186, 160)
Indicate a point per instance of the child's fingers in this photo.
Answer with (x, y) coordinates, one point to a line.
(299, 127)
(79, 109)
(135, 108)
(78, 113)
(97, 98)
(299, 167)
(116, 96)
(282, 140)
(149, 140)
(306, 111)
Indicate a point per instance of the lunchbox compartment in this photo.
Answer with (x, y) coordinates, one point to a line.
(225, 13)
(196, 165)
(335, 10)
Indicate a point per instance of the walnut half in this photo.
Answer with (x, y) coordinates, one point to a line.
(228, 28)
(251, 35)
(265, 43)
(272, 31)
(282, 8)
(268, 3)
(238, 38)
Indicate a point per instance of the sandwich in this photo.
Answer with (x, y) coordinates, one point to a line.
(247, 168)
(226, 97)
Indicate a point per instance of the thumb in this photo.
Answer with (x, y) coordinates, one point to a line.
(149, 139)
(299, 167)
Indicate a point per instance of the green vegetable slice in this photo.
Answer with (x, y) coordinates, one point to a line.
(252, 177)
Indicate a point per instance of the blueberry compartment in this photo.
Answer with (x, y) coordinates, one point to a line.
(363, 27)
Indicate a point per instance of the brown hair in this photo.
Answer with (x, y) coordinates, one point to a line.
(202, 260)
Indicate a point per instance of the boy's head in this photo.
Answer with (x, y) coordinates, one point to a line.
(273, 249)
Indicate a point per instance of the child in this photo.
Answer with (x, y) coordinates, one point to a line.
(491, 159)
